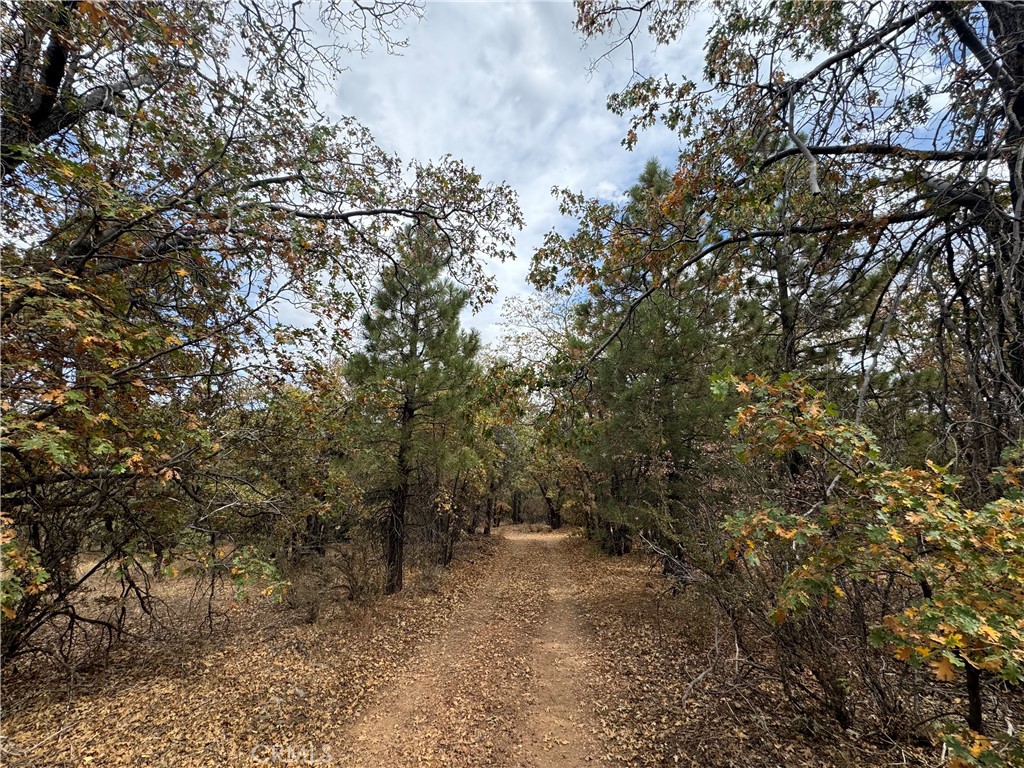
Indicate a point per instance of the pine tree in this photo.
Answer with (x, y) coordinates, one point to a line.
(418, 364)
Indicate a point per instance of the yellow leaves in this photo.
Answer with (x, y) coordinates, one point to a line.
(172, 341)
(181, 272)
(943, 669)
(896, 536)
(979, 745)
(904, 654)
(950, 637)
(989, 633)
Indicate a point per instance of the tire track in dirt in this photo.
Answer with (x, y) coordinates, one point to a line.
(559, 723)
(504, 685)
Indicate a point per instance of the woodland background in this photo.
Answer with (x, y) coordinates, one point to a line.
(791, 367)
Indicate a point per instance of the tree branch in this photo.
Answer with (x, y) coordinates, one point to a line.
(965, 32)
(882, 150)
(812, 161)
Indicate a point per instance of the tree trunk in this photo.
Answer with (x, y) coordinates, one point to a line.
(316, 535)
(394, 541)
(975, 720)
(394, 521)
(554, 517)
(554, 513)
(492, 503)
(788, 312)
(619, 541)
(517, 507)
(1006, 21)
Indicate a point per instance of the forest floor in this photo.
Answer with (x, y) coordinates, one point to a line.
(534, 651)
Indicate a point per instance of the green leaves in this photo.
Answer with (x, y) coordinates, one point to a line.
(878, 523)
(166, 211)
(21, 574)
(251, 569)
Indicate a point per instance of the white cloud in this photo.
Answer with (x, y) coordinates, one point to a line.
(507, 87)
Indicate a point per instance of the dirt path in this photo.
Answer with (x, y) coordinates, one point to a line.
(532, 651)
(504, 685)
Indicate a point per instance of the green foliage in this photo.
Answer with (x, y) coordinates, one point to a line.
(250, 568)
(878, 525)
(413, 385)
(20, 572)
(837, 194)
(164, 210)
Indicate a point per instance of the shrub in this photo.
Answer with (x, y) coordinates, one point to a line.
(940, 585)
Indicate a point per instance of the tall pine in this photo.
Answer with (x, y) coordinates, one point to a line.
(418, 364)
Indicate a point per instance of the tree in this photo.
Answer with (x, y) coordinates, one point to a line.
(420, 364)
(645, 426)
(848, 187)
(162, 208)
(654, 435)
(893, 153)
(942, 583)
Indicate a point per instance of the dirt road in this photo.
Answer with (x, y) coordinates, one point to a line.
(505, 684)
(533, 650)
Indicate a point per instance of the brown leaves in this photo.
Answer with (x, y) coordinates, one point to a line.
(268, 682)
(943, 669)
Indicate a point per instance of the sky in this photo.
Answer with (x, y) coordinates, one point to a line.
(509, 88)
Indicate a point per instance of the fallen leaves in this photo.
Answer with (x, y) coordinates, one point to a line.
(270, 681)
(526, 656)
